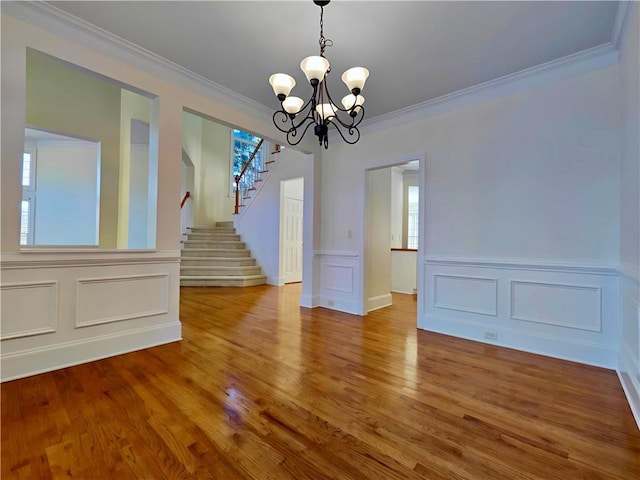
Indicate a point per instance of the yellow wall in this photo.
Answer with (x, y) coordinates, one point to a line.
(132, 106)
(67, 100)
(208, 144)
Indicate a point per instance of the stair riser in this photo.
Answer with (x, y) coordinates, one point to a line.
(220, 271)
(220, 262)
(221, 283)
(221, 245)
(213, 237)
(215, 253)
(212, 230)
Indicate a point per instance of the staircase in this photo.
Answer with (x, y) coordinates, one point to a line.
(216, 257)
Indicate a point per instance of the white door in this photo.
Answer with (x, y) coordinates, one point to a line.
(292, 243)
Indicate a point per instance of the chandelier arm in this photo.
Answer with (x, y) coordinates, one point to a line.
(354, 121)
(293, 132)
(285, 117)
(351, 133)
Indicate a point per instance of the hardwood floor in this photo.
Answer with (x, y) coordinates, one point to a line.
(262, 389)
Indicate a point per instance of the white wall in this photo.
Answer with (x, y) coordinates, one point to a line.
(629, 268)
(527, 182)
(67, 190)
(259, 222)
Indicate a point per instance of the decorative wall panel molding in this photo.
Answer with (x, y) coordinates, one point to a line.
(28, 308)
(563, 305)
(466, 294)
(337, 277)
(114, 299)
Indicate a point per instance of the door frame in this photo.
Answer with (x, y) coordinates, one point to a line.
(421, 158)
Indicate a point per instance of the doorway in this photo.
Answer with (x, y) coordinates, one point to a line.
(291, 222)
(390, 225)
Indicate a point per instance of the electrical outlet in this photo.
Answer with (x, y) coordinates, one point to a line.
(491, 335)
(331, 303)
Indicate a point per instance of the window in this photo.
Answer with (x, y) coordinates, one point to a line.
(413, 204)
(28, 195)
(243, 147)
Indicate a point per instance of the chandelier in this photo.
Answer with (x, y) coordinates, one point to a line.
(296, 116)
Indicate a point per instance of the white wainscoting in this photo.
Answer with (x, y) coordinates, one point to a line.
(35, 303)
(567, 311)
(113, 299)
(64, 308)
(340, 287)
(629, 352)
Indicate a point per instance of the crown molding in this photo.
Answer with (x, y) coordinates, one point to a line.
(70, 27)
(623, 16)
(578, 63)
(59, 22)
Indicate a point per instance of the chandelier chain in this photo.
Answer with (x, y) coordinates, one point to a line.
(324, 42)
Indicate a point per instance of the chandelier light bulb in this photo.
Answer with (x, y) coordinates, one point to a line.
(282, 84)
(354, 79)
(352, 101)
(326, 110)
(292, 105)
(314, 67)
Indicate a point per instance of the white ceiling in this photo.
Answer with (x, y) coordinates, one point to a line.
(415, 50)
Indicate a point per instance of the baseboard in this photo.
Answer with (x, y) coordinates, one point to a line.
(346, 305)
(630, 383)
(53, 357)
(309, 301)
(564, 349)
(380, 301)
(275, 281)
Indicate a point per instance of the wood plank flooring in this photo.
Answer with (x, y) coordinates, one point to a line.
(262, 389)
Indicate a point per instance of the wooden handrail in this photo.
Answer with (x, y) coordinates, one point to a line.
(184, 199)
(242, 172)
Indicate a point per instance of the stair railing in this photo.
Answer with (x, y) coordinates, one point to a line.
(245, 179)
(185, 214)
(184, 199)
